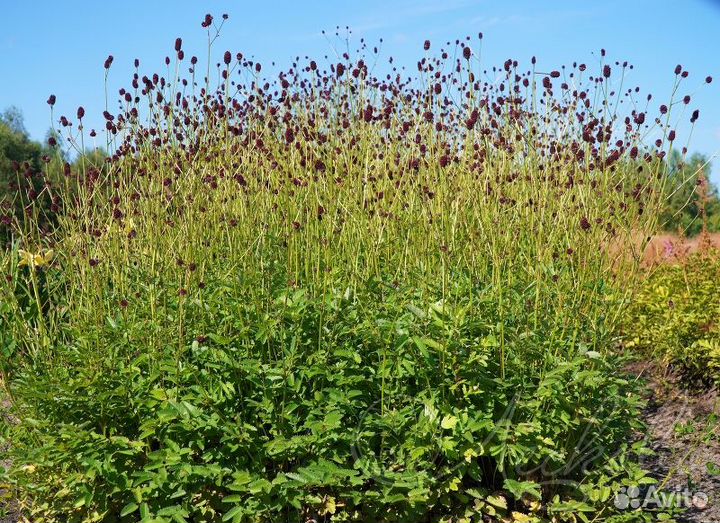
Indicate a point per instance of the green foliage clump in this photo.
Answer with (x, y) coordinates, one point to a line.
(675, 316)
(334, 297)
(382, 406)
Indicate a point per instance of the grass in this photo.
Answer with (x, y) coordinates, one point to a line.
(336, 295)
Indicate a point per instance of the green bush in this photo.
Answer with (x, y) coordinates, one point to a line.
(334, 297)
(385, 406)
(675, 315)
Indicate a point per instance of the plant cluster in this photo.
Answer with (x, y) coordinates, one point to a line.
(674, 316)
(336, 295)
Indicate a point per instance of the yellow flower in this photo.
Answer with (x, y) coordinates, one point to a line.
(328, 507)
(41, 259)
(26, 258)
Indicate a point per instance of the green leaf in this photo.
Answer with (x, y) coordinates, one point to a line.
(519, 488)
(230, 514)
(128, 509)
(170, 511)
(497, 501)
(490, 341)
(449, 422)
(416, 311)
(220, 340)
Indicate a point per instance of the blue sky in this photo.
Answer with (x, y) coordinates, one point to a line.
(59, 47)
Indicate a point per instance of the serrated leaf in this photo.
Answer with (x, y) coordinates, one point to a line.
(520, 488)
(497, 501)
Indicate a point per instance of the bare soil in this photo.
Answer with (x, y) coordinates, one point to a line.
(682, 431)
(8, 509)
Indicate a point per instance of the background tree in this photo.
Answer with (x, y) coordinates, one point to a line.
(20, 165)
(688, 193)
(28, 170)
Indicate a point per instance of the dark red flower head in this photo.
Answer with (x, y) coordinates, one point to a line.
(426, 46)
(108, 61)
(467, 52)
(80, 113)
(178, 44)
(51, 100)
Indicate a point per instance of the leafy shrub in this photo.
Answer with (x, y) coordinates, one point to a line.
(334, 297)
(381, 406)
(675, 315)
